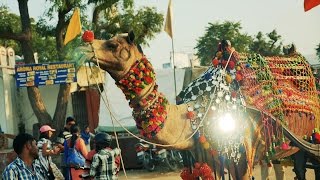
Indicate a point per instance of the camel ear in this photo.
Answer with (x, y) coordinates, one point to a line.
(140, 49)
(130, 37)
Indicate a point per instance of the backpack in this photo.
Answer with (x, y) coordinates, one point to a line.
(72, 157)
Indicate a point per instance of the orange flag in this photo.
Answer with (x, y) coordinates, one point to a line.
(74, 27)
(309, 4)
(168, 24)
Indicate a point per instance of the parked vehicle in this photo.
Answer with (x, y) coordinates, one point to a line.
(150, 156)
(175, 156)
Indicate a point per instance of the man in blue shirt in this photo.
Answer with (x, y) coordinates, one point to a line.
(23, 168)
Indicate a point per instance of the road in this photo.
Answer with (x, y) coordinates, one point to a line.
(166, 175)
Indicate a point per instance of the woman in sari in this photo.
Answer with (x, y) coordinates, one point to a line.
(78, 143)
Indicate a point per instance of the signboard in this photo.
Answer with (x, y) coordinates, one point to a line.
(45, 74)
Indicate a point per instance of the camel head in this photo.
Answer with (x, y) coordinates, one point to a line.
(117, 54)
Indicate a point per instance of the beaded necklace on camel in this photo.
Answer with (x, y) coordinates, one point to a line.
(150, 111)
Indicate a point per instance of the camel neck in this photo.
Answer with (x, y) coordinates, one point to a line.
(139, 84)
(140, 89)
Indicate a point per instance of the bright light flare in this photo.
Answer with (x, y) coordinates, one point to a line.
(227, 123)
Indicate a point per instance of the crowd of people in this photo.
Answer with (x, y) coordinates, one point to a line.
(34, 157)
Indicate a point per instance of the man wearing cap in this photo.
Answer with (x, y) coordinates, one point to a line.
(105, 161)
(23, 167)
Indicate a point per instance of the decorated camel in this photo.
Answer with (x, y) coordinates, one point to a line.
(241, 110)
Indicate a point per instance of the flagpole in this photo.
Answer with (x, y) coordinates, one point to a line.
(174, 70)
(168, 29)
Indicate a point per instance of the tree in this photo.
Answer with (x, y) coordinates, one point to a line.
(23, 35)
(207, 45)
(318, 51)
(270, 47)
(45, 33)
(113, 17)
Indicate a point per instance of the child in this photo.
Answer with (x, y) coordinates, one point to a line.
(105, 163)
(46, 150)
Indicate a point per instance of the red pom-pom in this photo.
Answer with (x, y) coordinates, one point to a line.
(195, 173)
(185, 174)
(317, 138)
(238, 77)
(88, 36)
(284, 146)
(233, 94)
(215, 62)
(231, 65)
(190, 115)
(205, 170)
(224, 63)
(202, 139)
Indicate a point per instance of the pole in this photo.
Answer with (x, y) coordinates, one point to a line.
(174, 71)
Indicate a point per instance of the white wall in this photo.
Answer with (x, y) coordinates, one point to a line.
(49, 95)
(3, 123)
(7, 61)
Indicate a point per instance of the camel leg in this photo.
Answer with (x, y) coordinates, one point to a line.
(239, 171)
(317, 173)
(265, 171)
(317, 167)
(279, 171)
(300, 165)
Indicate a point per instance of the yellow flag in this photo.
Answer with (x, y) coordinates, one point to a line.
(74, 27)
(168, 25)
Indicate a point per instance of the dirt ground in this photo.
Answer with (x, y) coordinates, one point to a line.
(162, 174)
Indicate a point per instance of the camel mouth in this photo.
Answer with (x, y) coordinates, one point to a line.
(98, 62)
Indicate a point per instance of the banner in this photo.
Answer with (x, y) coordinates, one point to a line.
(45, 74)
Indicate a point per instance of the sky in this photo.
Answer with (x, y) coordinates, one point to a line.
(191, 17)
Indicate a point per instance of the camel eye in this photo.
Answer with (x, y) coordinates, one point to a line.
(112, 45)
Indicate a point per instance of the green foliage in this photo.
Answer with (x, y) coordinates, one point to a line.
(9, 22)
(64, 6)
(45, 47)
(145, 23)
(270, 45)
(42, 42)
(318, 51)
(126, 4)
(267, 45)
(115, 16)
(215, 32)
(120, 16)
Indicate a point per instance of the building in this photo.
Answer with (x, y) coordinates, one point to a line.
(182, 60)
